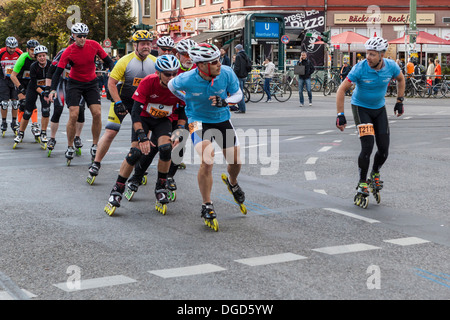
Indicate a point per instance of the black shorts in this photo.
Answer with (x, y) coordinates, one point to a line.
(7, 90)
(222, 133)
(88, 90)
(377, 117)
(158, 126)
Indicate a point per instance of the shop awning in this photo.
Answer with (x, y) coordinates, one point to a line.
(206, 35)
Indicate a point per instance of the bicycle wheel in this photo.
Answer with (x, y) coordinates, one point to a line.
(282, 92)
(256, 92)
(331, 87)
(246, 94)
(316, 86)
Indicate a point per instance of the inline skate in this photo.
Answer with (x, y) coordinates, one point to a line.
(132, 187)
(161, 197)
(236, 191)
(209, 216)
(114, 198)
(171, 189)
(36, 131)
(15, 127)
(93, 172)
(78, 145)
(69, 155)
(93, 152)
(18, 139)
(50, 146)
(362, 195)
(4, 127)
(375, 185)
(43, 140)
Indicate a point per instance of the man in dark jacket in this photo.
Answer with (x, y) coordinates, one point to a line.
(304, 77)
(240, 68)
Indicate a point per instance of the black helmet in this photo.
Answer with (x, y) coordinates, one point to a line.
(32, 43)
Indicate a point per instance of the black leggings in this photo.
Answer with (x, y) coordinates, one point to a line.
(379, 119)
(58, 104)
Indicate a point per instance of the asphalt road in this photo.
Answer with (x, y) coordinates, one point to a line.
(302, 238)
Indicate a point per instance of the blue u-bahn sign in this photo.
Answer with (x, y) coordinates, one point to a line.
(265, 29)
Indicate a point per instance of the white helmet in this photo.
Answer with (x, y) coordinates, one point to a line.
(165, 41)
(185, 44)
(167, 62)
(80, 28)
(377, 44)
(40, 49)
(204, 52)
(11, 42)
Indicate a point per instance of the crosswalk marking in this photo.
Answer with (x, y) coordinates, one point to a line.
(276, 258)
(187, 271)
(352, 215)
(95, 283)
(407, 241)
(346, 248)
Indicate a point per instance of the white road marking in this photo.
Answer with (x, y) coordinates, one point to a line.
(311, 160)
(346, 248)
(310, 175)
(407, 241)
(95, 283)
(187, 271)
(4, 295)
(352, 215)
(276, 258)
(324, 132)
(325, 149)
(295, 138)
(321, 191)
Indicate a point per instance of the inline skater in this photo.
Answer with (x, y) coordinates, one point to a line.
(371, 77)
(135, 181)
(36, 87)
(8, 95)
(82, 83)
(208, 117)
(58, 103)
(153, 103)
(21, 77)
(122, 83)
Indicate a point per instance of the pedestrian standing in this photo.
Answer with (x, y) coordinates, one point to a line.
(242, 67)
(224, 58)
(268, 75)
(305, 70)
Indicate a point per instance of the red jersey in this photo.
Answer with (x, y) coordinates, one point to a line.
(82, 60)
(8, 61)
(158, 102)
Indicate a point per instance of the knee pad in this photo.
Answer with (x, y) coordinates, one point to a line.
(46, 111)
(27, 115)
(165, 152)
(5, 105)
(133, 156)
(22, 104)
(15, 104)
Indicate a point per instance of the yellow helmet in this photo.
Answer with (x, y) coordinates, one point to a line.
(142, 35)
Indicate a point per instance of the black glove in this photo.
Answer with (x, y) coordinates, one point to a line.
(220, 102)
(340, 120)
(120, 109)
(398, 108)
(142, 137)
(21, 89)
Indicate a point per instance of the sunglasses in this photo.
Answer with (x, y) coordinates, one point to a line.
(184, 54)
(214, 63)
(166, 49)
(81, 36)
(169, 74)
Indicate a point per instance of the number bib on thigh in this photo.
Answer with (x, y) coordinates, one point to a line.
(158, 110)
(365, 129)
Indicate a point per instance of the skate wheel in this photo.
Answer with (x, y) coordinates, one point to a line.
(90, 180)
(49, 153)
(3, 134)
(15, 145)
(129, 194)
(68, 162)
(44, 146)
(144, 180)
(78, 152)
(110, 209)
(213, 224)
(364, 202)
(161, 208)
(357, 200)
(243, 208)
(172, 195)
(377, 197)
(37, 139)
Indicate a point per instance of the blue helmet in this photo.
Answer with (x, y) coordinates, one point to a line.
(167, 63)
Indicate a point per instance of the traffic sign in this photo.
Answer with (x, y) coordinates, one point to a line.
(107, 43)
(285, 39)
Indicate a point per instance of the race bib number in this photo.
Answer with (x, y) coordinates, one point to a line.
(9, 71)
(194, 126)
(158, 110)
(41, 82)
(26, 74)
(366, 129)
(66, 73)
(136, 81)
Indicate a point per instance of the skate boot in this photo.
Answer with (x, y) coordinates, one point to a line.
(78, 145)
(171, 189)
(18, 139)
(132, 187)
(93, 152)
(3, 128)
(236, 191)
(161, 196)
(50, 146)
(69, 154)
(209, 216)
(15, 127)
(93, 172)
(362, 195)
(375, 185)
(114, 198)
(43, 139)
(36, 131)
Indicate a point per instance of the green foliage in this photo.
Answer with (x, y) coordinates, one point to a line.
(46, 20)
